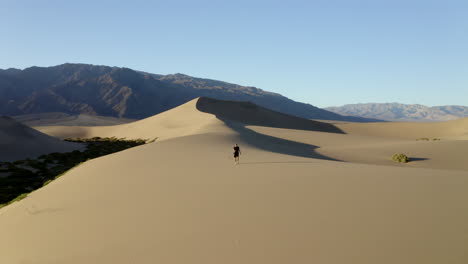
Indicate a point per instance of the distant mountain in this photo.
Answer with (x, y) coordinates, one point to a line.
(121, 92)
(402, 112)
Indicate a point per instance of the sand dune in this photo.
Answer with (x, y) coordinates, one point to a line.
(181, 121)
(251, 114)
(181, 199)
(454, 129)
(18, 141)
(190, 118)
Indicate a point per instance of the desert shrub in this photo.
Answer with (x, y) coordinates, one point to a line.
(140, 141)
(20, 197)
(400, 157)
(46, 182)
(152, 140)
(427, 139)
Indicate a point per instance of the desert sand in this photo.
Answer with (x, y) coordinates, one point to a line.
(454, 129)
(304, 192)
(18, 141)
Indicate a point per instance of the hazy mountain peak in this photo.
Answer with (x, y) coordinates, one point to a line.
(402, 112)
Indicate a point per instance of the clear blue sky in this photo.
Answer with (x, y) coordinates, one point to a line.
(320, 52)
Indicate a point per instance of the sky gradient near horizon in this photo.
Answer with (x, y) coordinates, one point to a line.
(326, 53)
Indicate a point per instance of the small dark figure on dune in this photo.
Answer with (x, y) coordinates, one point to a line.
(236, 154)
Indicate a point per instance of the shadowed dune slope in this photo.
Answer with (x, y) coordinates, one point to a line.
(454, 129)
(251, 114)
(18, 141)
(193, 117)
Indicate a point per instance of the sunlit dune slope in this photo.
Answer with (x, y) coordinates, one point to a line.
(180, 121)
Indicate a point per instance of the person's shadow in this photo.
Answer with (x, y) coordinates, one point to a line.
(274, 144)
(410, 159)
(276, 162)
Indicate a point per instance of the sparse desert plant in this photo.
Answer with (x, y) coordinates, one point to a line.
(153, 140)
(140, 141)
(400, 157)
(46, 182)
(427, 139)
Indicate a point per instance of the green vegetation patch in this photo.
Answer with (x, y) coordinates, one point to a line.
(28, 175)
(18, 198)
(400, 157)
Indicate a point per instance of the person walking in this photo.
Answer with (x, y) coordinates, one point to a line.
(237, 152)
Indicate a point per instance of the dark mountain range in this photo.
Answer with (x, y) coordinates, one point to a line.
(121, 92)
(402, 112)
